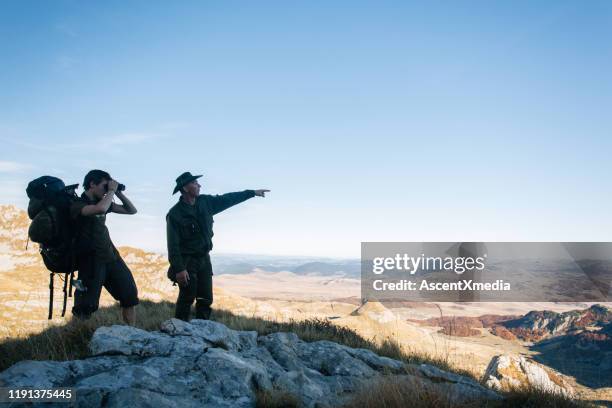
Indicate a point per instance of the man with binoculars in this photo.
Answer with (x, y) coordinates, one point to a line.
(97, 260)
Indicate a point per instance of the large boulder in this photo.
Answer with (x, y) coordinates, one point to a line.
(206, 364)
(507, 372)
(126, 340)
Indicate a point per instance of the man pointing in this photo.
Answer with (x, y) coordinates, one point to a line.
(189, 232)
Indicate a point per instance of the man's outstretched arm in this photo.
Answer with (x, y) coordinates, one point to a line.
(225, 201)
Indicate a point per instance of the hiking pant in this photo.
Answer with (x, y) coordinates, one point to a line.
(199, 288)
(115, 276)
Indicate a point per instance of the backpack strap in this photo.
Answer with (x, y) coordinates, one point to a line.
(50, 295)
(73, 266)
(70, 285)
(66, 277)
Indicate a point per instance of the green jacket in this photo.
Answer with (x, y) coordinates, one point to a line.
(189, 228)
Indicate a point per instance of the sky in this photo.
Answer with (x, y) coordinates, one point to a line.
(369, 121)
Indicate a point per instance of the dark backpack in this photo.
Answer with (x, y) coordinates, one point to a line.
(52, 228)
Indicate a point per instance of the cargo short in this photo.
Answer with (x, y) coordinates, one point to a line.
(115, 276)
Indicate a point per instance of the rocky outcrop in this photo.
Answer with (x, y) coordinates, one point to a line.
(594, 341)
(14, 225)
(585, 355)
(506, 372)
(204, 363)
(501, 331)
(539, 325)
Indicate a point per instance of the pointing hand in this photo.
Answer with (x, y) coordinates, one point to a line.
(261, 193)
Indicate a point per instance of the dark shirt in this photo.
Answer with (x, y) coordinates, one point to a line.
(92, 234)
(189, 228)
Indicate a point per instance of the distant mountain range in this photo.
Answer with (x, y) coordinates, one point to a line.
(237, 264)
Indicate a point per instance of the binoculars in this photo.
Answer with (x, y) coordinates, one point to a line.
(120, 187)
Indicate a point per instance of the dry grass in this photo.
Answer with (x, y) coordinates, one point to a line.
(531, 397)
(275, 399)
(396, 392)
(400, 392)
(391, 347)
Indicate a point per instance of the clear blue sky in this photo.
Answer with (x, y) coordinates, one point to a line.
(369, 121)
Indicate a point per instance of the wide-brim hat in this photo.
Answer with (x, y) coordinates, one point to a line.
(183, 179)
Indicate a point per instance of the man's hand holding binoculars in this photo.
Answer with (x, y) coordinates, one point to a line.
(112, 186)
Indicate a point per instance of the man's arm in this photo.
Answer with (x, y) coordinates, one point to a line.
(126, 206)
(223, 202)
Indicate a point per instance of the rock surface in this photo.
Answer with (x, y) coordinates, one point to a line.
(204, 363)
(539, 325)
(506, 372)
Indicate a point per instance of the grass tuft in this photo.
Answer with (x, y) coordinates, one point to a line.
(400, 392)
(276, 399)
